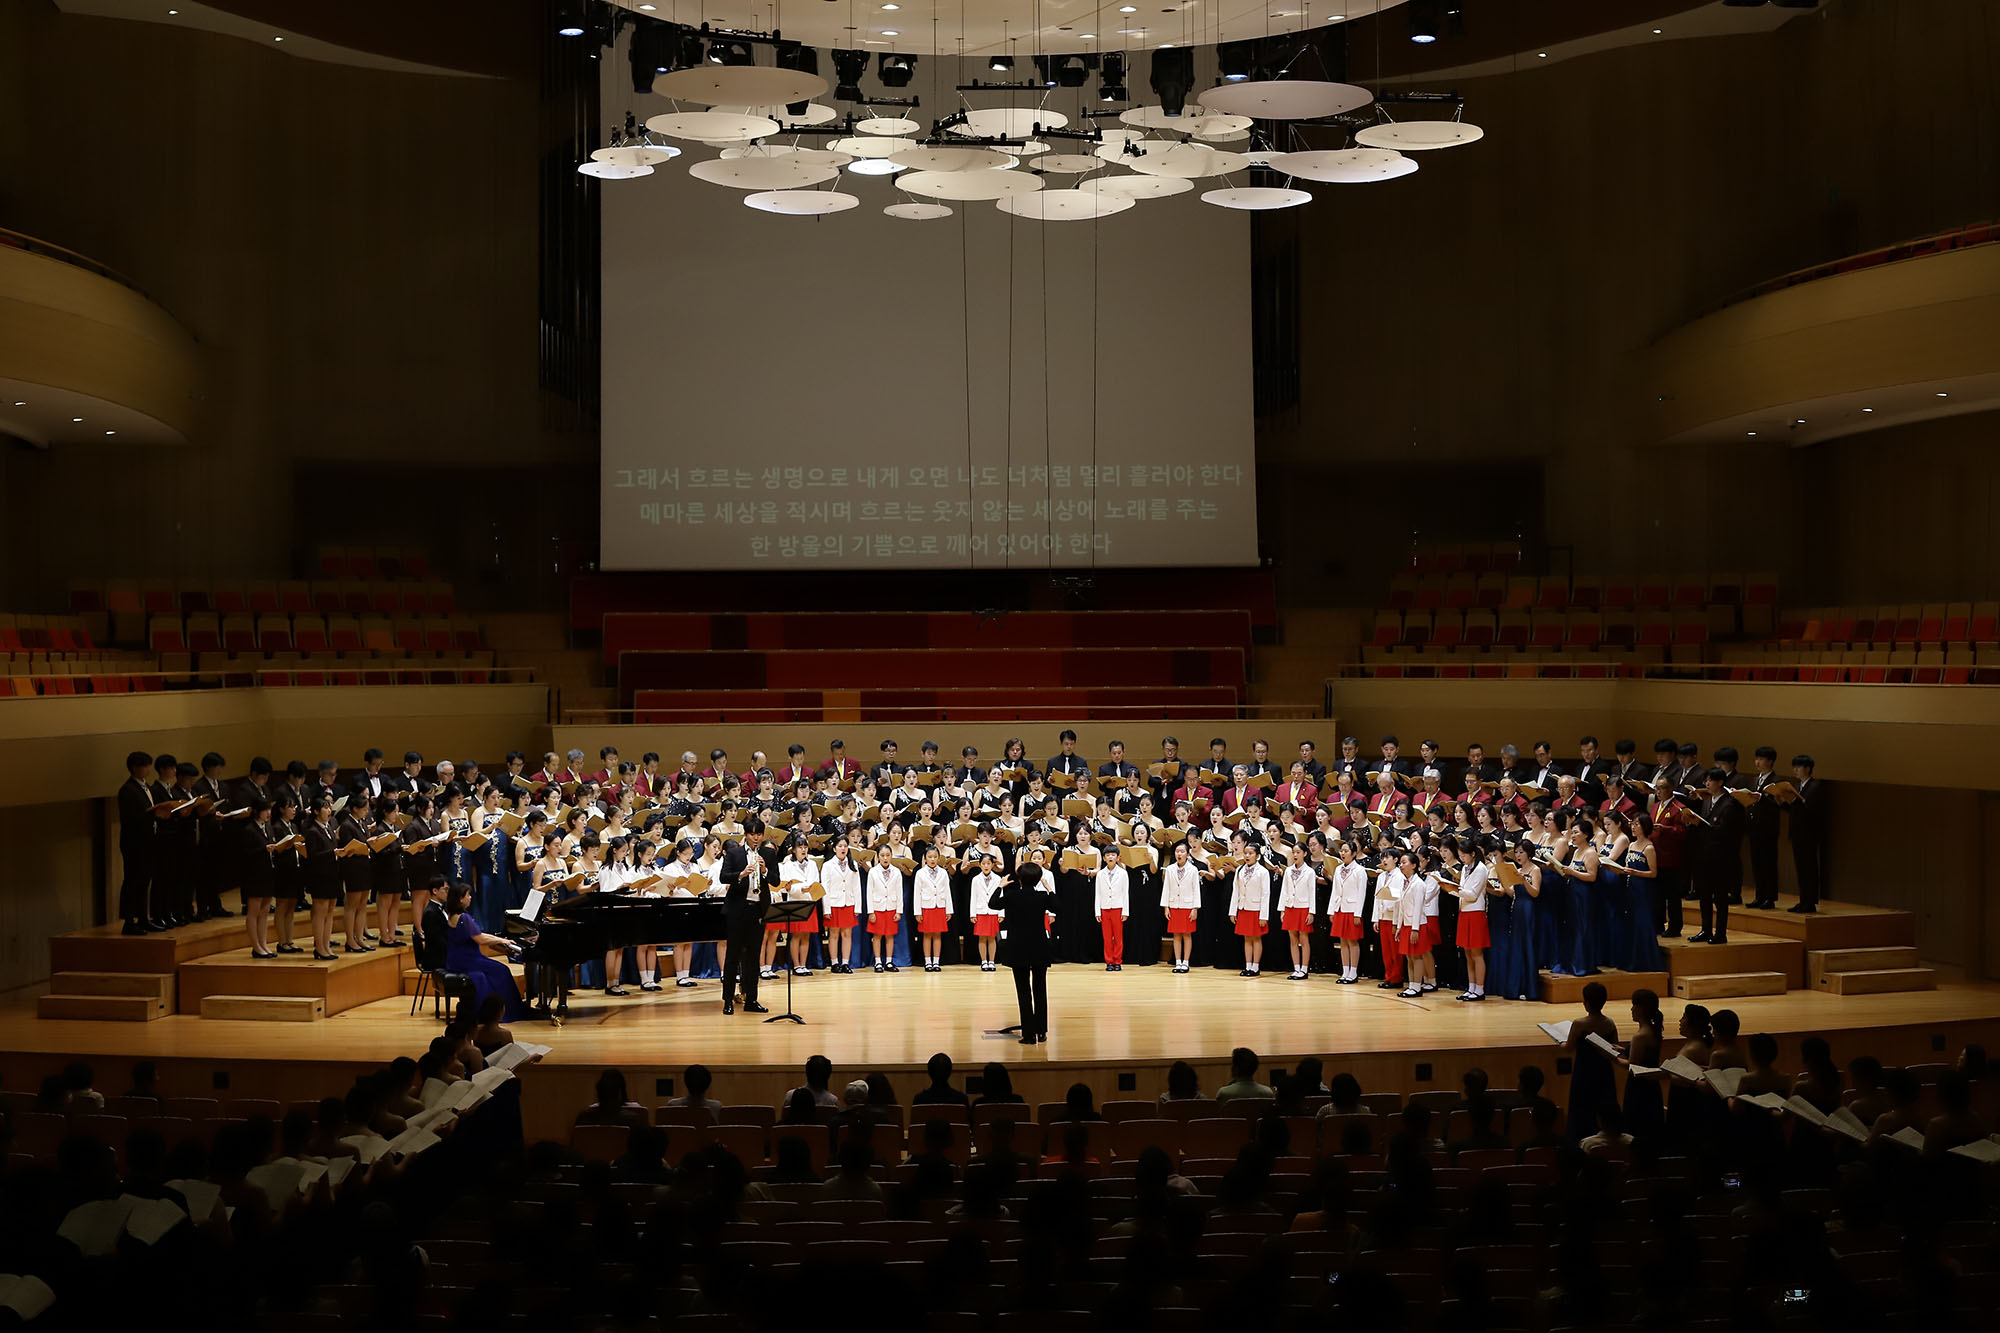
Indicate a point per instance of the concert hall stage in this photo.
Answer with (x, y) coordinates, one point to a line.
(1116, 1031)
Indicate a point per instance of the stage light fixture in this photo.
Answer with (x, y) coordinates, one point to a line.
(1112, 81)
(1000, 64)
(1423, 22)
(721, 52)
(1235, 59)
(895, 69)
(569, 21)
(1173, 77)
(848, 67)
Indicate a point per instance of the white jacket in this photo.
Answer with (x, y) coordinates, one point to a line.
(1388, 896)
(797, 876)
(1182, 887)
(1299, 888)
(984, 886)
(1350, 889)
(843, 883)
(1472, 887)
(1114, 891)
(885, 889)
(933, 888)
(1253, 890)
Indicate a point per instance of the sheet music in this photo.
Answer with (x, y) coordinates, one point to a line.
(1558, 1032)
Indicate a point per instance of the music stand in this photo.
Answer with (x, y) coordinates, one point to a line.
(788, 913)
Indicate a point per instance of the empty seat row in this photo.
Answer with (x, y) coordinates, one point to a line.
(1509, 591)
(371, 562)
(1476, 557)
(326, 596)
(44, 634)
(207, 632)
(1909, 623)
(1447, 627)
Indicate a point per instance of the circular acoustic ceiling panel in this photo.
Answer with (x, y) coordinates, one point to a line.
(1064, 164)
(760, 150)
(711, 126)
(1214, 125)
(815, 114)
(637, 155)
(918, 212)
(885, 125)
(1008, 122)
(1065, 205)
(1417, 136)
(1144, 187)
(826, 157)
(801, 203)
(1155, 117)
(758, 85)
(762, 173)
(1286, 99)
(1185, 159)
(1344, 166)
(968, 185)
(1256, 198)
(864, 145)
(952, 159)
(613, 171)
(873, 166)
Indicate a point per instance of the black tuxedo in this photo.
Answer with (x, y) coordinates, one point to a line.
(135, 848)
(1718, 861)
(743, 907)
(1121, 769)
(1808, 835)
(1029, 952)
(1762, 830)
(1590, 779)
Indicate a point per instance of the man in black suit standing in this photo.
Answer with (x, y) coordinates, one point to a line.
(1591, 770)
(1762, 822)
(135, 842)
(1117, 767)
(1024, 904)
(1718, 865)
(1808, 833)
(749, 874)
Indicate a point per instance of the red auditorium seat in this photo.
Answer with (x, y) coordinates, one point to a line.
(1620, 592)
(309, 634)
(324, 596)
(1514, 628)
(1984, 627)
(409, 636)
(1388, 629)
(1582, 629)
(1430, 592)
(1957, 620)
(194, 597)
(343, 634)
(157, 598)
(1656, 629)
(1416, 628)
(437, 635)
(1689, 590)
(1459, 591)
(1491, 590)
(294, 595)
(1930, 623)
(1480, 626)
(1477, 558)
(1726, 588)
(1447, 628)
(164, 635)
(1402, 590)
(1587, 592)
(1551, 593)
(86, 598)
(274, 634)
(1546, 629)
(1655, 593)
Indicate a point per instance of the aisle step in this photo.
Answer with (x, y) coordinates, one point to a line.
(150, 985)
(115, 1008)
(1880, 981)
(264, 1008)
(1722, 985)
(1822, 963)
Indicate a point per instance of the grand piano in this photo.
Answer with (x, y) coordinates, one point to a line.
(555, 937)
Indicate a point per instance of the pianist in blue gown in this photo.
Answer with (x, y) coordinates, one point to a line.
(463, 953)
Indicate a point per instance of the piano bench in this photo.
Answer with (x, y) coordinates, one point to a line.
(440, 985)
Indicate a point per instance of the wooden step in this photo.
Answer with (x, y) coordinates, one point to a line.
(107, 948)
(1720, 985)
(1746, 951)
(1880, 981)
(1836, 925)
(1821, 963)
(1617, 986)
(152, 985)
(264, 1008)
(342, 983)
(114, 1008)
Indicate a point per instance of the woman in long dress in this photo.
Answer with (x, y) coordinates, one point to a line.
(465, 951)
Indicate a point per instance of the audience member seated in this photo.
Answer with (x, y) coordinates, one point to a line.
(819, 1075)
(1242, 1078)
(940, 1092)
(1183, 1084)
(996, 1087)
(697, 1080)
(612, 1107)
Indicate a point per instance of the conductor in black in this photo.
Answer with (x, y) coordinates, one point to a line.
(1024, 905)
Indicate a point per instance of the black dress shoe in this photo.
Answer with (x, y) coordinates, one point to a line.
(1388, 985)
(752, 1007)
(1028, 1041)
(133, 928)
(290, 948)
(1701, 937)
(325, 957)
(1802, 909)
(220, 911)
(1042, 1037)
(1720, 939)
(255, 954)
(728, 1007)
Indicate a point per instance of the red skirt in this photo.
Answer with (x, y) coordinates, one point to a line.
(883, 923)
(1180, 920)
(802, 927)
(986, 926)
(1298, 918)
(1410, 941)
(1346, 926)
(840, 918)
(933, 921)
(1472, 931)
(1250, 922)
(1431, 937)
